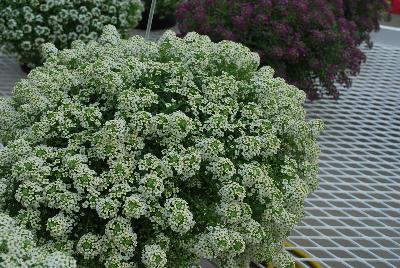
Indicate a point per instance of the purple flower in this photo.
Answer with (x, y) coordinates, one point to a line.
(310, 43)
(317, 36)
(240, 22)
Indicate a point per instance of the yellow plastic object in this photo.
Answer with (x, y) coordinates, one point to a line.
(302, 254)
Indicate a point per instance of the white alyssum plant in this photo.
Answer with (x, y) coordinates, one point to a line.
(27, 24)
(18, 248)
(130, 153)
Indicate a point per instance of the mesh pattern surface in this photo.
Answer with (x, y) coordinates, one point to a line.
(353, 219)
(10, 73)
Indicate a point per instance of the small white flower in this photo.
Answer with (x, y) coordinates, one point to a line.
(19, 248)
(180, 218)
(89, 245)
(107, 207)
(60, 225)
(154, 257)
(130, 153)
(135, 206)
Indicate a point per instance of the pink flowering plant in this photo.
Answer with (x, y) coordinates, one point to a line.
(130, 153)
(309, 43)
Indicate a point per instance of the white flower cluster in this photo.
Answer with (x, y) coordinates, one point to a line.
(26, 25)
(18, 248)
(130, 153)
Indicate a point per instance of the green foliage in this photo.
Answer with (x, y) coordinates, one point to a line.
(129, 153)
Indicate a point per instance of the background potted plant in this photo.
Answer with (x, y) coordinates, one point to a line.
(130, 153)
(366, 15)
(313, 44)
(26, 25)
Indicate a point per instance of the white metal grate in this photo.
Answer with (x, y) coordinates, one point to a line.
(353, 220)
(10, 73)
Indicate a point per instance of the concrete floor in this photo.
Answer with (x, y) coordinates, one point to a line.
(394, 21)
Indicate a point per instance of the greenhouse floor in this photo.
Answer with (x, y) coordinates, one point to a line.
(353, 219)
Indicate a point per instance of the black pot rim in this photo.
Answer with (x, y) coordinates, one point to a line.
(25, 68)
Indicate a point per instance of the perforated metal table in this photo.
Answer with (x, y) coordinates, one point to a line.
(353, 219)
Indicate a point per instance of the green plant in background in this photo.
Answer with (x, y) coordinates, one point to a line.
(129, 153)
(26, 24)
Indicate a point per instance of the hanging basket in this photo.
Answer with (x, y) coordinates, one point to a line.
(158, 23)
